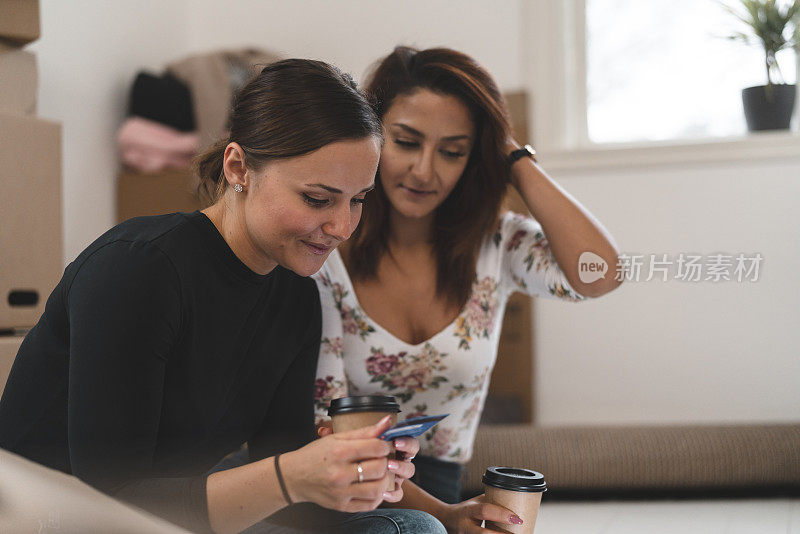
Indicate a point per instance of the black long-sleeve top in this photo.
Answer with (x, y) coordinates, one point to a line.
(159, 352)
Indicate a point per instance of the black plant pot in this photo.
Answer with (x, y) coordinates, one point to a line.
(768, 107)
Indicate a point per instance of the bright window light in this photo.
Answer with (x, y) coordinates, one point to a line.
(662, 70)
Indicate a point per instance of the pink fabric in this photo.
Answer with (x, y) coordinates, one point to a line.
(148, 146)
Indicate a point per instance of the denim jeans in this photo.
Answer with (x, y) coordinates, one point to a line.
(380, 521)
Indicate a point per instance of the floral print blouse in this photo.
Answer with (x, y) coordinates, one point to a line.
(448, 373)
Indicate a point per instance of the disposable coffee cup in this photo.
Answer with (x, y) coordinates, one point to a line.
(519, 490)
(351, 413)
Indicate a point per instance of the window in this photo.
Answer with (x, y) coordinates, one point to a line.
(662, 70)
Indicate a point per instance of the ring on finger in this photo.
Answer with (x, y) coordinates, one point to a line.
(360, 472)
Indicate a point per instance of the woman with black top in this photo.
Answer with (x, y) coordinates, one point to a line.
(172, 340)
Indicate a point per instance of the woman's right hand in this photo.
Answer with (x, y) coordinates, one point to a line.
(326, 470)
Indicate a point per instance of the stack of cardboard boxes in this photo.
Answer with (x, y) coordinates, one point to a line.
(31, 257)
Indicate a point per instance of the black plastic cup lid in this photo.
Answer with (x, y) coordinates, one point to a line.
(365, 403)
(514, 479)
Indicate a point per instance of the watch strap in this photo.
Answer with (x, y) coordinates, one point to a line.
(525, 151)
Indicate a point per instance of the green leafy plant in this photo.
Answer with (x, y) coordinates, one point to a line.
(776, 25)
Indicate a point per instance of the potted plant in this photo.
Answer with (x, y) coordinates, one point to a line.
(775, 26)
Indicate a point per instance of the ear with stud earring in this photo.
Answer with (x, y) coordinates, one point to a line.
(238, 188)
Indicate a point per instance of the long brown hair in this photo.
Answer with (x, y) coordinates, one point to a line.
(471, 210)
(292, 107)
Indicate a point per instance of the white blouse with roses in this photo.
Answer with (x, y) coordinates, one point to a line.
(448, 373)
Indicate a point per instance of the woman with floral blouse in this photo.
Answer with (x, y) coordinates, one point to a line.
(413, 304)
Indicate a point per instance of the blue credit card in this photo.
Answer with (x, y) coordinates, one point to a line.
(411, 428)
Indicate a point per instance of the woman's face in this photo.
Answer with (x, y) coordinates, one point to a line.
(297, 210)
(429, 137)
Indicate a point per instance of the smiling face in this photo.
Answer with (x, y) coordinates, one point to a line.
(297, 210)
(429, 137)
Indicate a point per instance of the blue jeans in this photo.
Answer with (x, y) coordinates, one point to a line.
(380, 521)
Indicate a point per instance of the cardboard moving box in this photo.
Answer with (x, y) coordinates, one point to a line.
(31, 257)
(19, 20)
(155, 193)
(9, 345)
(19, 81)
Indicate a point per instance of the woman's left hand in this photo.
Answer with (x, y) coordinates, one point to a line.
(407, 449)
(466, 517)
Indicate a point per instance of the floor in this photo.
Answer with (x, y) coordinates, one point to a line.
(757, 516)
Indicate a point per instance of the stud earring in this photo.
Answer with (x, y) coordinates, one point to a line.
(237, 188)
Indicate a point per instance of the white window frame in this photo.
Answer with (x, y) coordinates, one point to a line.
(554, 67)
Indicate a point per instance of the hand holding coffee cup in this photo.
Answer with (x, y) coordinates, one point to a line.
(349, 413)
(519, 490)
(347, 471)
(406, 449)
(466, 517)
(352, 412)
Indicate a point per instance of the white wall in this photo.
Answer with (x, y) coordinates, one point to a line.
(354, 33)
(665, 352)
